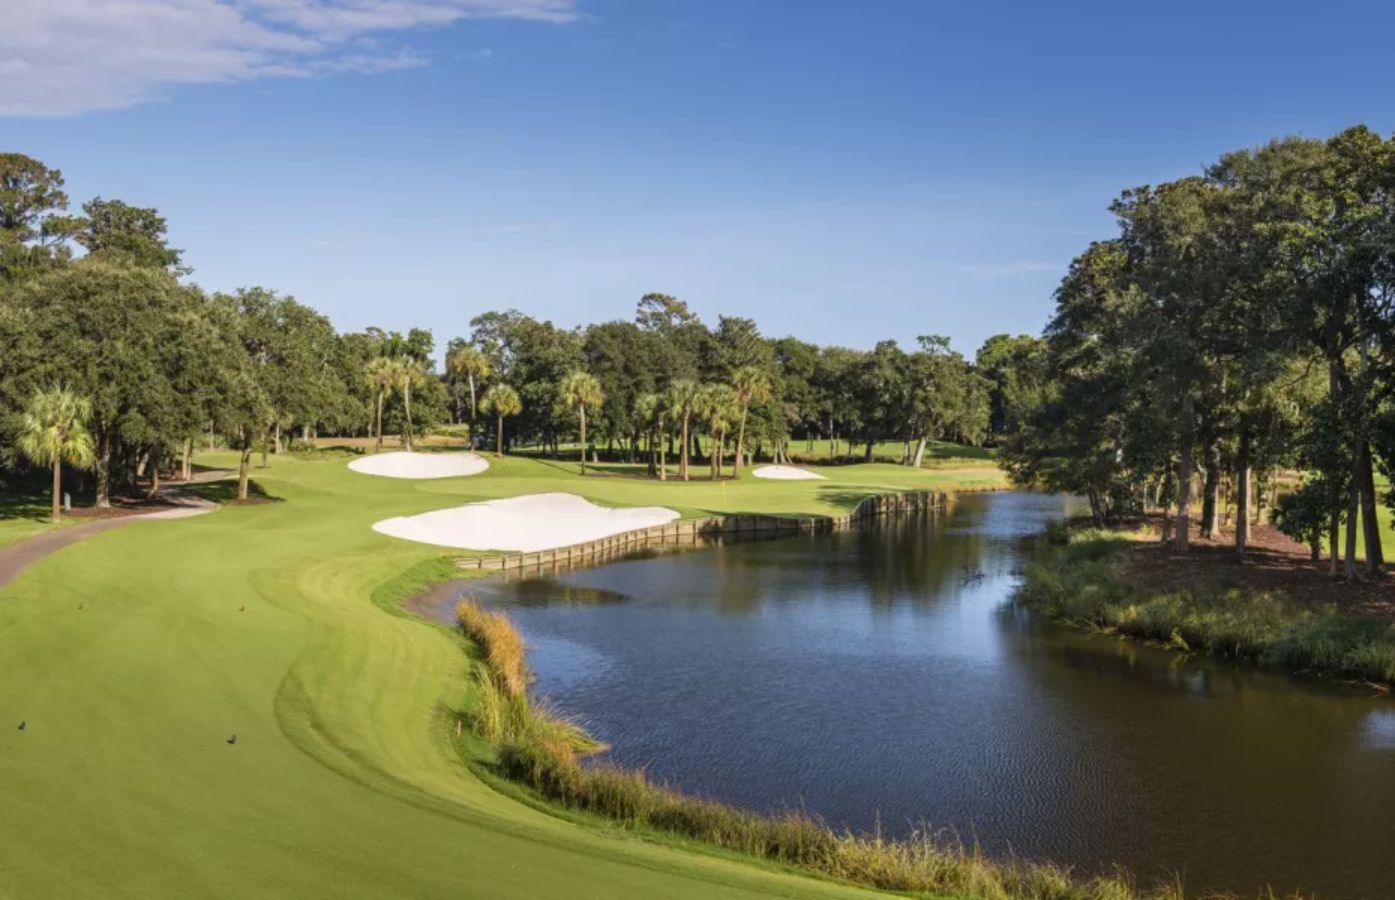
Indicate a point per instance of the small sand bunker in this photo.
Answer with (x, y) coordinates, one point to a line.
(420, 465)
(532, 522)
(786, 473)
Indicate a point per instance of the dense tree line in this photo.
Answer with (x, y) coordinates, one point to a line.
(98, 307)
(96, 316)
(1241, 323)
(666, 385)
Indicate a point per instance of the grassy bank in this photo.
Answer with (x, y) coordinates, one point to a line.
(134, 656)
(543, 753)
(1088, 582)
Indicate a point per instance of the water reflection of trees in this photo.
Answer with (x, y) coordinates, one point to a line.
(545, 591)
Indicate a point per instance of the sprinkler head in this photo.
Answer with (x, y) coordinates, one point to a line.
(23, 724)
(232, 740)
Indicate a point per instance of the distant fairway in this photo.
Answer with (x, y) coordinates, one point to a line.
(133, 656)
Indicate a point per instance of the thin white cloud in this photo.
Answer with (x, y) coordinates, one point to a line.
(64, 57)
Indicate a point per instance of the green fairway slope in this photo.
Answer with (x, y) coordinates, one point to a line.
(135, 655)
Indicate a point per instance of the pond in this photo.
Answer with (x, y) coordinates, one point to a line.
(882, 677)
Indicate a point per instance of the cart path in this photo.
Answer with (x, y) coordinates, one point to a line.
(19, 556)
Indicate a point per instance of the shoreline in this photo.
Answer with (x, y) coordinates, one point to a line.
(539, 755)
(1089, 584)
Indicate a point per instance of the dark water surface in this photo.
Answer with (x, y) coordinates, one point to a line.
(882, 676)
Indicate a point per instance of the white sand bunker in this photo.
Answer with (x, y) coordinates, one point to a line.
(532, 522)
(420, 465)
(786, 473)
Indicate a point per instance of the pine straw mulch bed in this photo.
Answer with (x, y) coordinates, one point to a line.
(1273, 562)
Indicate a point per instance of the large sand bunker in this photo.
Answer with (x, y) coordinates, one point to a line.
(532, 522)
(786, 473)
(420, 465)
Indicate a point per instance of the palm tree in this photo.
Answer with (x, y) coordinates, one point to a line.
(472, 363)
(718, 405)
(408, 372)
(380, 376)
(751, 384)
(646, 406)
(682, 394)
(501, 400)
(53, 431)
(580, 390)
(653, 411)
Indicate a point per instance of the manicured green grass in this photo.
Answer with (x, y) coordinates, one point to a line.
(1387, 537)
(134, 655)
(26, 516)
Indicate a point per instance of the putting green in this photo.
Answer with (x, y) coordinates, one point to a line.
(135, 655)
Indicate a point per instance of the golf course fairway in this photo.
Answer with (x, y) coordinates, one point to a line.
(133, 658)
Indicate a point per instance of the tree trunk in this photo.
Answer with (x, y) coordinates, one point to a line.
(1242, 496)
(277, 450)
(103, 470)
(243, 465)
(499, 450)
(1353, 510)
(1370, 523)
(663, 458)
(919, 453)
(471, 379)
(1182, 537)
(1334, 549)
(740, 441)
(407, 404)
(1334, 520)
(1165, 501)
(154, 474)
(1210, 501)
(57, 487)
(265, 440)
(685, 450)
(186, 470)
(378, 445)
(581, 408)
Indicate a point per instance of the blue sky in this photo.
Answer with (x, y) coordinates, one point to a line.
(844, 172)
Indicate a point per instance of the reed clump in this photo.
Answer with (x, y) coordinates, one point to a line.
(502, 646)
(543, 751)
(1086, 582)
(503, 711)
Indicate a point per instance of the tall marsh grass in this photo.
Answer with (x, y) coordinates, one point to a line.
(542, 751)
(1085, 583)
(500, 642)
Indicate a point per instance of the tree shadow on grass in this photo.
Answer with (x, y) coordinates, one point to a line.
(25, 506)
(844, 498)
(225, 492)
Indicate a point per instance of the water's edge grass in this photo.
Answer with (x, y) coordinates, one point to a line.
(1083, 580)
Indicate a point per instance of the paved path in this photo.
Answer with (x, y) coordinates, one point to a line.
(19, 556)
